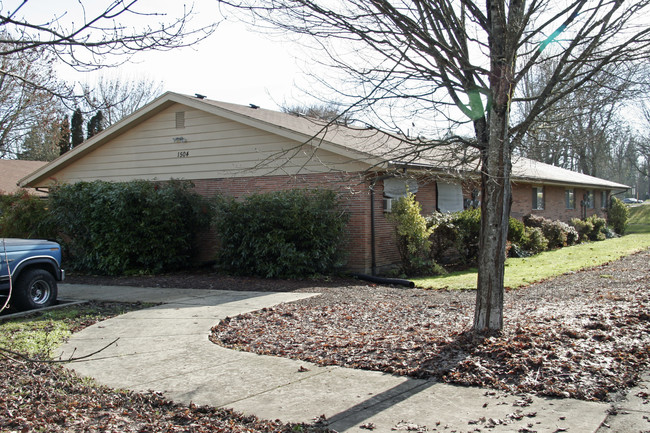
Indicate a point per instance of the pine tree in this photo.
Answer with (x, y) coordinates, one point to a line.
(96, 124)
(64, 136)
(76, 129)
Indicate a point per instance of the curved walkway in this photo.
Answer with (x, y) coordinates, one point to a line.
(166, 348)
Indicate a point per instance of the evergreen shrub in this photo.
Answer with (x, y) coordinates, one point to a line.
(23, 215)
(516, 231)
(617, 216)
(413, 235)
(535, 240)
(284, 234)
(584, 228)
(444, 235)
(469, 228)
(600, 225)
(531, 220)
(556, 233)
(133, 227)
(458, 231)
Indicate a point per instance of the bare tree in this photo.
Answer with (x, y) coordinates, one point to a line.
(89, 36)
(117, 97)
(640, 156)
(464, 61)
(326, 112)
(93, 35)
(24, 101)
(42, 142)
(583, 130)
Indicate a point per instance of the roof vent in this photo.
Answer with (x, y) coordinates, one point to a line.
(198, 95)
(253, 106)
(180, 119)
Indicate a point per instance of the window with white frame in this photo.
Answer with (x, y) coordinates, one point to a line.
(603, 199)
(538, 198)
(570, 198)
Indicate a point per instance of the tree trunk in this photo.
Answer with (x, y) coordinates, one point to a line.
(495, 213)
(496, 194)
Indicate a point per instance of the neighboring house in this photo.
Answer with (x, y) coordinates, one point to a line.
(238, 150)
(12, 170)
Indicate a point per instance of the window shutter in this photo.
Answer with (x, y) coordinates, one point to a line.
(450, 197)
(395, 187)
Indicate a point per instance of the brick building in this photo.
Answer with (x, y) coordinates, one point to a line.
(238, 150)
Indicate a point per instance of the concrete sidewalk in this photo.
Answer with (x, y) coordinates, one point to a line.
(166, 348)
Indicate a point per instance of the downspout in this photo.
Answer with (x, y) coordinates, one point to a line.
(373, 258)
(373, 254)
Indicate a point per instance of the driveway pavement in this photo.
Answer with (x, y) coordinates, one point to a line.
(166, 348)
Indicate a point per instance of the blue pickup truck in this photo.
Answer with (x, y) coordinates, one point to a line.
(33, 267)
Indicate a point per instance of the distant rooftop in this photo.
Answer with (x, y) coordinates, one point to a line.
(12, 170)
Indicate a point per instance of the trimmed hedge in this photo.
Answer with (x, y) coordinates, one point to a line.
(132, 227)
(285, 234)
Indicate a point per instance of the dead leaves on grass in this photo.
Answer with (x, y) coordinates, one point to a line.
(580, 336)
(41, 397)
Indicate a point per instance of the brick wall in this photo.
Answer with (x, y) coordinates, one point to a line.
(426, 196)
(355, 194)
(554, 203)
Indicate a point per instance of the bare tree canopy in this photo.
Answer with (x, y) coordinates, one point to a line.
(91, 34)
(85, 35)
(24, 105)
(119, 96)
(327, 112)
(463, 61)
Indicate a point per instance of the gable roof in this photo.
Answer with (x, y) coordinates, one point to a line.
(370, 146)
(13, 170)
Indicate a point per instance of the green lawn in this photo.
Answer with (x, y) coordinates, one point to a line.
(41, 333)
(521, 272)
(639, 221)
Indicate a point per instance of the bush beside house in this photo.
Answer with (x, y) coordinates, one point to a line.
(617, 216)
(412, 235)
(287, 234)
(23, 215)
(454, 236)
(131, 227)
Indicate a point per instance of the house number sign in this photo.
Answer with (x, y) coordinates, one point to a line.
(183, 154)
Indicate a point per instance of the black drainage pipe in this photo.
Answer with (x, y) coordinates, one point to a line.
(380, 280)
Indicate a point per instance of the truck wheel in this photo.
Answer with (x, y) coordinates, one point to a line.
(35, 288)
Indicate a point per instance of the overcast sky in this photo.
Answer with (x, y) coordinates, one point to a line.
(233, 65)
